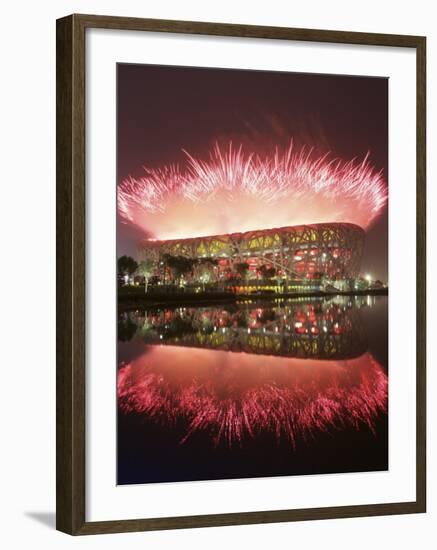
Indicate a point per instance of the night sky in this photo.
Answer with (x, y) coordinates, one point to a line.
(162, 110)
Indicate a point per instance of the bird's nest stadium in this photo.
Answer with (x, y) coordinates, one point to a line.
(303, 252)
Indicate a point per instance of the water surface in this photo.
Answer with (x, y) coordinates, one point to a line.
(255, 389)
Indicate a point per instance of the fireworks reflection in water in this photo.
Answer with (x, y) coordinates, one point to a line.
(227, 373)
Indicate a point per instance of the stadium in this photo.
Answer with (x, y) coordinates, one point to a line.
(294, 255)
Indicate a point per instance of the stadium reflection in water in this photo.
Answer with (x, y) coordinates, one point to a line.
(252, 389)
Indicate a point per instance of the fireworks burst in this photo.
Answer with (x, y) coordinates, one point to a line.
(289, 398)
(236, 192)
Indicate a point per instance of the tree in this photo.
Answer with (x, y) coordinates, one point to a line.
(179, 265)
(126, 266)
(146, 270)
(207, 261)
(262, 271)
(204, 271)
(242, 268)
(266, 272)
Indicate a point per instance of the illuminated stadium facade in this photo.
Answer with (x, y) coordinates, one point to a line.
(301, 253)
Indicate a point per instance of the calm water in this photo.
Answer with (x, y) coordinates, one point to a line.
(259, 388)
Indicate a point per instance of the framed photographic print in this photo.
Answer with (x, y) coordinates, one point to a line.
(240, 274)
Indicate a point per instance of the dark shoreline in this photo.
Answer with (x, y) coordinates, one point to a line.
(130, 301)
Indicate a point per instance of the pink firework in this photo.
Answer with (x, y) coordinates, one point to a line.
(232, 397)
(235, 192)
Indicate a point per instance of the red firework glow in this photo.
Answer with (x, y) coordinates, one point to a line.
(237, 192)
(233, 396)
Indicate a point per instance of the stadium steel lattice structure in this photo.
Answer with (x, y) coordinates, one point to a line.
(301, 252)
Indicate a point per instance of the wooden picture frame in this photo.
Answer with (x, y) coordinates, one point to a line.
(71, 254)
